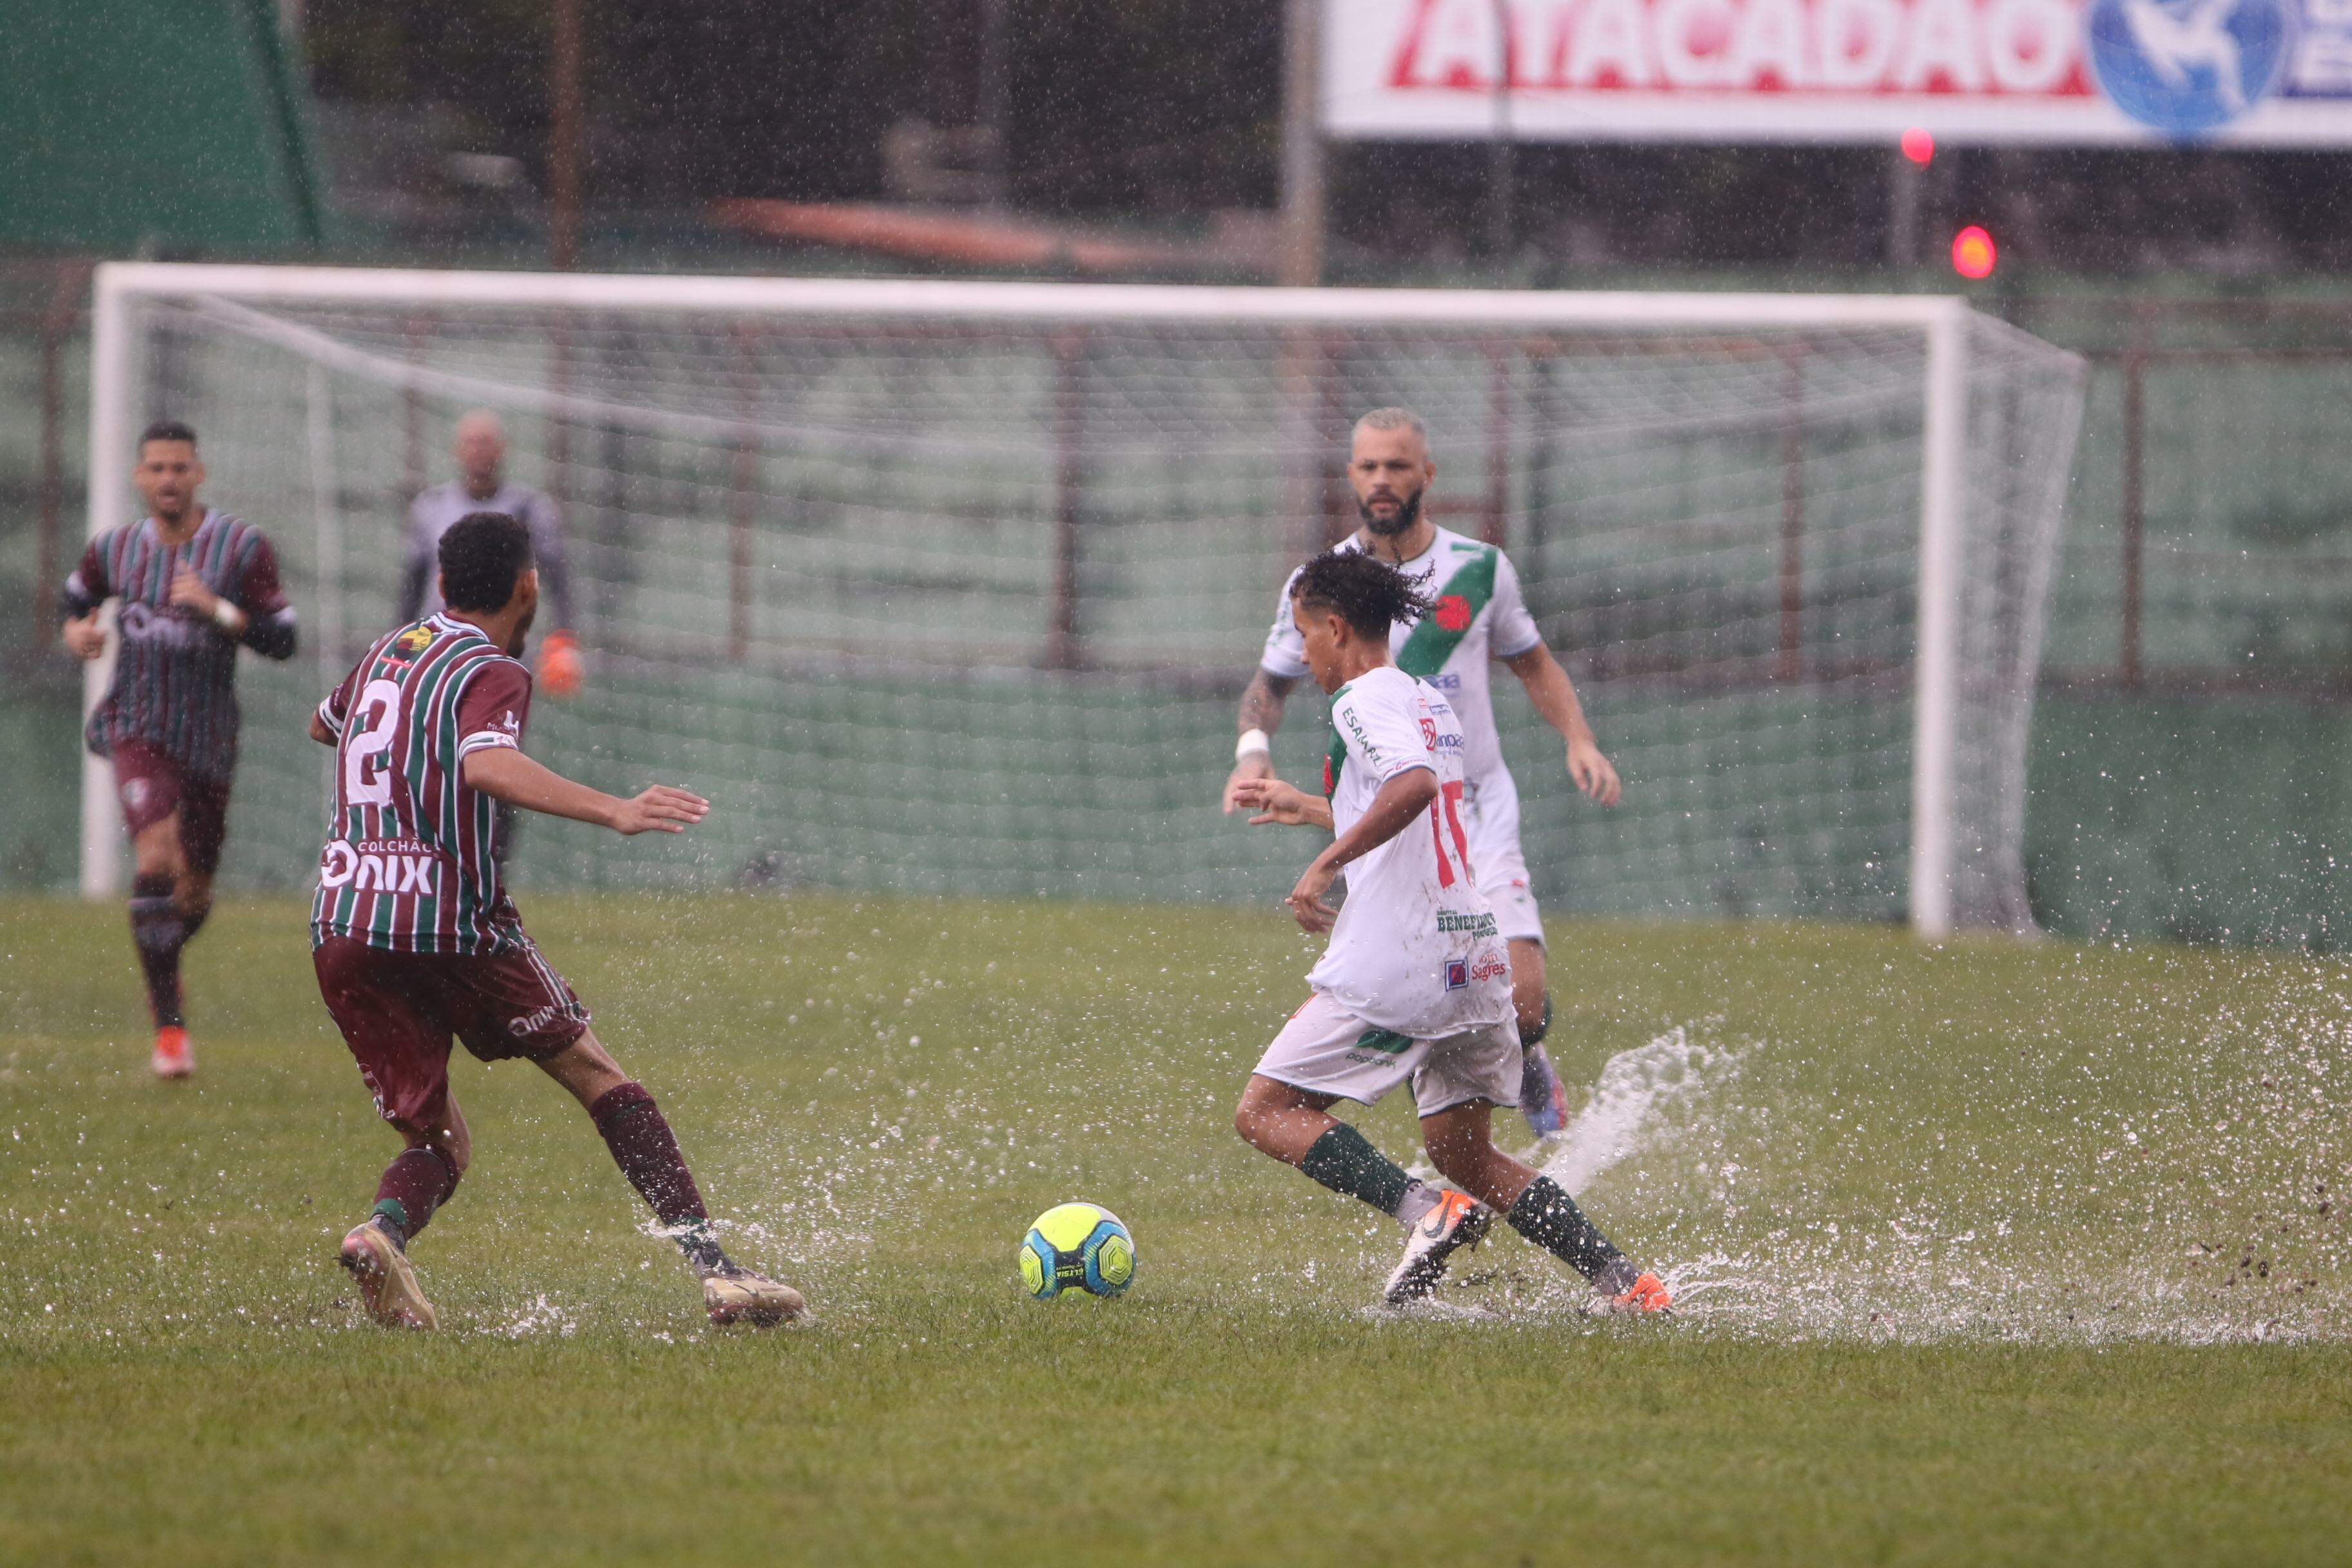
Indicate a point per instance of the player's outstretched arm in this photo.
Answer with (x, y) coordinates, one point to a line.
(1260, 717)
(504, 773)
(1394, 810)
(1554, 696)
(1281, 804)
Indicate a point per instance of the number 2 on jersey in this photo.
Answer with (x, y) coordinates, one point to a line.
(367, 770)
(1451, 797)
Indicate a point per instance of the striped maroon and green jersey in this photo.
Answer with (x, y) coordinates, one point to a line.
(174, 683)
(409, 863)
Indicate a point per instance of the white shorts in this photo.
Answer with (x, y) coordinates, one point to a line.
(1496, 862)
(1326, 1050)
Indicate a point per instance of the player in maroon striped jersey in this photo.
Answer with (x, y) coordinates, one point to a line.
(195, 586)
(414, 939)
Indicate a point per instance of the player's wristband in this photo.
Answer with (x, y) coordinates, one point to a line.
(1253, 743)
(228, 617)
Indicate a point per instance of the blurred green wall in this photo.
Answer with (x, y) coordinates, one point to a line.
(165, 126)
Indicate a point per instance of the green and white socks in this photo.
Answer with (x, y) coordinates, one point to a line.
(1345, 1161)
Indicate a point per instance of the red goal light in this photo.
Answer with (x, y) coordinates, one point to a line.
(1972, 253)
(1918, 146)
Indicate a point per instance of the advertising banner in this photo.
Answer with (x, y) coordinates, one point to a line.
(2092, 72)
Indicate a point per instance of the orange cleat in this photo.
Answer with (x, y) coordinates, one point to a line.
(172, 1057)
(1644, 1295)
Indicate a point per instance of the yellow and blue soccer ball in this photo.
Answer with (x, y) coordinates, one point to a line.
(1077, 1247)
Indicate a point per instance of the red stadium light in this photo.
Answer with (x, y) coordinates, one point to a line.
(1972, 253)
(1918, 146)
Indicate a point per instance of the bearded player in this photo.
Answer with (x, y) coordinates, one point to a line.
(414, 939)
(1479, 617)
(195, 584)
(1415, 987)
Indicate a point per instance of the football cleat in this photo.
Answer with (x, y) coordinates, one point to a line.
(386, 1282)
(1458, 1221)
(733, 1294)
(172, 1058)
(1646, 1294)
(1543, 1098)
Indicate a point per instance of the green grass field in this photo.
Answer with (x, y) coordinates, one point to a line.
(1992, 1254)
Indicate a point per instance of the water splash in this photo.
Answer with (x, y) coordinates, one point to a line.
(1642, 1094)
(540, 1317)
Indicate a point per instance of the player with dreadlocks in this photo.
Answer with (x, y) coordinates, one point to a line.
(1416, 982)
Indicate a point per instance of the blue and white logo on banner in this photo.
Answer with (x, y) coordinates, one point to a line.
(2188, 67)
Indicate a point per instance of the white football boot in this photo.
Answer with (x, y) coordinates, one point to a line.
(1458, 1221)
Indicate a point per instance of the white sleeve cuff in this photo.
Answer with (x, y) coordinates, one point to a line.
(485, 741)
(327, 717)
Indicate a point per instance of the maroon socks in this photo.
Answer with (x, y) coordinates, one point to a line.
(159, 932)
(414, 1185)
(647, 1152)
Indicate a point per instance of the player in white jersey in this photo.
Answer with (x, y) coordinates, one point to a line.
(1479, 618)
(1415, 986)
(480, 448)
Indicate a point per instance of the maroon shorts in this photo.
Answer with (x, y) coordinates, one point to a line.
(397, 1011)
(152, 784)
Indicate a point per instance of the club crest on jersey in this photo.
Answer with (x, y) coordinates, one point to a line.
(1452, 614)
(1458, 973)
(1429, 732)
(411, 642)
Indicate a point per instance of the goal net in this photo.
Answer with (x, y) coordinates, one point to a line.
(950, 588)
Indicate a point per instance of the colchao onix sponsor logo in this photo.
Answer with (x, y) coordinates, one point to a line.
(532, 1023)
(342, 865)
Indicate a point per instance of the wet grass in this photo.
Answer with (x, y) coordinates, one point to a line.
(1990, 1253)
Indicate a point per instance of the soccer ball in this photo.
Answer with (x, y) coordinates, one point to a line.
(1080, 1248)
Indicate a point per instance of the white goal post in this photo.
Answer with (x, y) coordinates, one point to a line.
(1763, 530)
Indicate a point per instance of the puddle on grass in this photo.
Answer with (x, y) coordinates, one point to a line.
(2130, 1193)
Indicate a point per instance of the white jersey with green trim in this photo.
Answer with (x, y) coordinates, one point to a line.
(1491, 620)
(1415, 948)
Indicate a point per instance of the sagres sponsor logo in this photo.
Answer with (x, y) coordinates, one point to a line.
(1455, 923)
(1493, 966)
(402, 868)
